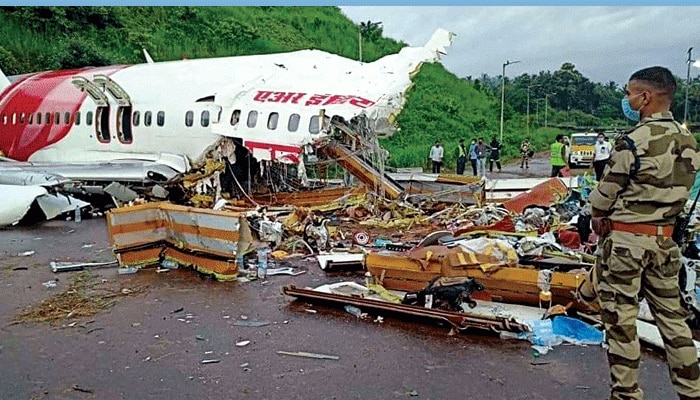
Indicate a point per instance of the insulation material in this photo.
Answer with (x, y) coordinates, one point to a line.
(205, 240)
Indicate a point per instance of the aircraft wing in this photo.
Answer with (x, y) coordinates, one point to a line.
(40, 185)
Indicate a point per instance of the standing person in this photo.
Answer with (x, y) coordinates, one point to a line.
(633, 211)
(495, 155)
(525, 153)
(461, 157)
(557, 155)
(436, 153)
(473, 156)
(601, 157)
(567, 149)
(481, 156)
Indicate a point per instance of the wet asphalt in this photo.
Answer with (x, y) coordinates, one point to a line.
(151, 343)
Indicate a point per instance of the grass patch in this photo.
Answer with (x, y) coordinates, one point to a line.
(83, 298)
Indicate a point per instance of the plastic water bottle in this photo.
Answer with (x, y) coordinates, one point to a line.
(353, 310)
(262, 263)
(78, 214)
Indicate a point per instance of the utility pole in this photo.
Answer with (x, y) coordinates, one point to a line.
(546, 104)
(528, 108)
(360, 36)
(687, 88)
(503, 91)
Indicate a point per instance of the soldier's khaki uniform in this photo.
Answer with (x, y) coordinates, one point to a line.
(645, 186)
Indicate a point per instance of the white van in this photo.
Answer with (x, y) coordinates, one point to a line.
(582, 149)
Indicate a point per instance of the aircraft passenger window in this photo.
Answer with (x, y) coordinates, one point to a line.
(235, 117)
(21, 118)
(30, 118)
(205, 118)
(66, 118)
(4, 119)
(14, 118)
(137, 118)
(161, 118)
(147, 118)
(47, 118)
(77, 118)
(293, 123)
(88, 118)
(189, 118)
(313, 124)
(272, 121)
(38, 118)
(57, 118)
(252, 119)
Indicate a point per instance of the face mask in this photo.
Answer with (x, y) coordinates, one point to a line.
(629, 112)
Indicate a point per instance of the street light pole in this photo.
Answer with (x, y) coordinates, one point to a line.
(528, 108)
(360, 36)
(687, 87)
(546, 104)
(503, 91)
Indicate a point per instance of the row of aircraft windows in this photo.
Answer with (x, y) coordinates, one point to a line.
(272, 120)
(251, 122)
(55, 118)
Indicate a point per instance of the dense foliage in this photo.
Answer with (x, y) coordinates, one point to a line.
(440, 105)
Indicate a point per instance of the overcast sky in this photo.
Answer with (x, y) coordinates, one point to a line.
(604, 43)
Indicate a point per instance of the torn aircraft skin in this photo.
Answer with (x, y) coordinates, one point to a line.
(169, 115)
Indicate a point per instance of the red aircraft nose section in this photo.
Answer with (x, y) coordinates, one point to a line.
(50, 94)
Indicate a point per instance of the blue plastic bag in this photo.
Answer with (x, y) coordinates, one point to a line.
(543, 333)
(576, 331)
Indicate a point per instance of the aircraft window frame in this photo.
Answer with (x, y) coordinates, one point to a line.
(38, 118)
(293, 123)
(235, 117)
(160, 118)
(88, 118)
(136, 118)
(14, 118)
(66, 118)
(189, 119)
(57, 118)
(314, 124)
(77, 118)
(252, 119)
(30, 118)
(4, 119)
(272, 121)
(47, 118)
(21, 118)
(204, 118)
(147, 118)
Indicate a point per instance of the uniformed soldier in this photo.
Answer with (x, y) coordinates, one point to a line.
(634, 207)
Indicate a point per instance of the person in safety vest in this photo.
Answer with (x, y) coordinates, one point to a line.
(557, 156)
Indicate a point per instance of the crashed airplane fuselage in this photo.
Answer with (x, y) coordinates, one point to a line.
(273, 105)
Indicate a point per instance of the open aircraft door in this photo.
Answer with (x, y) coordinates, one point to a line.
(124, 107)
(102, 107)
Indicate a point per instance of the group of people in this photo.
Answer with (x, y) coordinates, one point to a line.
(477, 154)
